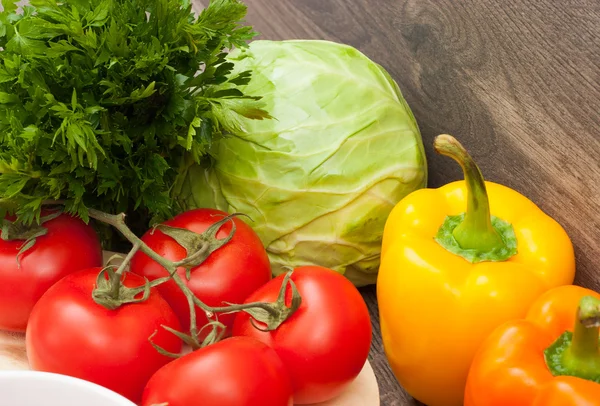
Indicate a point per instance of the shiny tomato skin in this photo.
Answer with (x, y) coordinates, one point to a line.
(70, 334)
(325, 343)
(237, 371)
(70, 245)
(229, 274)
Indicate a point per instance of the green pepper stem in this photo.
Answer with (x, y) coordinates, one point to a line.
(583, 355)
(476, 230)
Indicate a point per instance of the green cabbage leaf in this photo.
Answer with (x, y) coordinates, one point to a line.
(320, 178)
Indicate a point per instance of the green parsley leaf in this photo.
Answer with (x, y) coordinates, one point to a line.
(102, 101)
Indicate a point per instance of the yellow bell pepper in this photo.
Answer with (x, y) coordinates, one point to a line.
(456, 262)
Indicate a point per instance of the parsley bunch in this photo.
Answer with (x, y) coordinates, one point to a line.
(102, 102)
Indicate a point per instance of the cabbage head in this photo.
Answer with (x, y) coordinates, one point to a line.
(319, 179)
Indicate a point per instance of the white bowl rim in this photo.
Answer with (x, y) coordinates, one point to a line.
(68, 380)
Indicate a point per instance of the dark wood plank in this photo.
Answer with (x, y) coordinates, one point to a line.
(518, 82)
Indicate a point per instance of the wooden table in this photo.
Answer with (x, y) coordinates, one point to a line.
(517, 81)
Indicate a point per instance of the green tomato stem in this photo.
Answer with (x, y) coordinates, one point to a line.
(475, 231)
(582, 357)
(119, 272)
(270, 314)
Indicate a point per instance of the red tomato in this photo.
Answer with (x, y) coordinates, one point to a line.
(325, 343)
(229, 274)
(238, 371)
(70, 334)
(69, 245)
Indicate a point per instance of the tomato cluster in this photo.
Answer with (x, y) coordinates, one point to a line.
(136, 348)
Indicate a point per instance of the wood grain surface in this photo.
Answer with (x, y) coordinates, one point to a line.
(517, 81)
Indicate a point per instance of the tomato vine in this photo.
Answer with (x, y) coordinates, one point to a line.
(111, 293)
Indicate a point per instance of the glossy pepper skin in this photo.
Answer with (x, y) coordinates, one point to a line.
(435, 306)
(510, 367)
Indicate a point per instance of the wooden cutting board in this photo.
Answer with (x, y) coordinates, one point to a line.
(364, 391)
